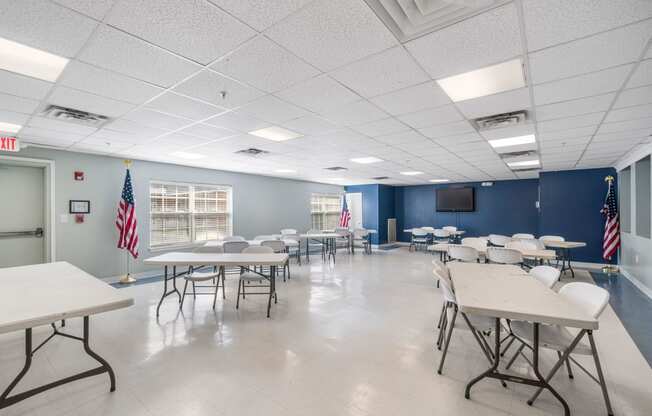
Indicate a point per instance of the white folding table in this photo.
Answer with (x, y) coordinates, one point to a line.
(564, 247)
(221, 260)
(44, 294)
(327, 239)
(506, 291)
(530, 254)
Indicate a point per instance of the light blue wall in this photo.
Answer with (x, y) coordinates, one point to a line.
(261, 205)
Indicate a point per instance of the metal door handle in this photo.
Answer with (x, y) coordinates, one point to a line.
(34, 233)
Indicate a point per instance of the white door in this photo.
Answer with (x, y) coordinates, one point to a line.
(354, 202)
(22, 209)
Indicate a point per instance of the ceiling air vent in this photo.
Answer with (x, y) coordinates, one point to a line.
(501, 120)
(336, 168)
(252, 151)
(518, 154)
(525, 169)
(74, 116)
(380, 178)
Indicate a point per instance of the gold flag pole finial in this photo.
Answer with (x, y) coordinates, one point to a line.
(128, 163)
(609, 178)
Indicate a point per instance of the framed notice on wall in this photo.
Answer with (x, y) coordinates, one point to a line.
(80, 207)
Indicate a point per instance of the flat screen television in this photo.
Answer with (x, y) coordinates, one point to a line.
(455, 199)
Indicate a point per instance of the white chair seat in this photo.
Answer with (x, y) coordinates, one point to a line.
(252, 277)
(290, 243)
(553, 337)
(201, 276)
(480, 323)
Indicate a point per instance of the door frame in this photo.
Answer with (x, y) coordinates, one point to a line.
(49, 182)
(361, 206)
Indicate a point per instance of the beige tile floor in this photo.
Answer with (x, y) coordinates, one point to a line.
(356, 339)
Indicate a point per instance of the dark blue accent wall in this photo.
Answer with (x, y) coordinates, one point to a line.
(507, 207)
(570, 206)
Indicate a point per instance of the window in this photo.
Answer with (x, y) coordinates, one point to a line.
(185, 213)
(325, 211)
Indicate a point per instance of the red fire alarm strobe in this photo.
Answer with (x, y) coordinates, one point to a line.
(79, 176)
(9, 144)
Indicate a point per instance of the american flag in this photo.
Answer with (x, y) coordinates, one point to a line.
(126, 221)
(345, 216)
(611, 239)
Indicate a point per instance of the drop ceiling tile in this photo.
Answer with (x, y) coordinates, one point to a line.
(555, 21)
(80, 100)
(581, 86)
(120, 52)
(332, 33)
(505, 132)
(96, 9)
(504, 102)
(131, 127)
(310, 125)
(60, 126)
(28, 133)
(318, 94)
(192, 28)
(629, 113)
(175, 104)
(642, 76)
(153, 118)
(460, 138)
(209, 86)
(265, 65)
(100, 145)
(431, 117)
(237, 121)
(591, 54)
(381, 127)
(445, 130)
(45, 25)
(575, 107)
(592, 119)
(410, 136)
(23, 86)
(261, 14)
(17, 104)
(358, 112)
(378, 74)
(109, 135)
(479, 41)
(99, 81)
(182, 141)
(623, 126)
(273, 110)
(621, 135)
(634, 96)
(206, 131)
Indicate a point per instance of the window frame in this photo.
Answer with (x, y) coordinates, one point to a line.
(340, 196)
(191, 212)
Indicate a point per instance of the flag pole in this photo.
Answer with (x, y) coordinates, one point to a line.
(610, 268)
(127, 278)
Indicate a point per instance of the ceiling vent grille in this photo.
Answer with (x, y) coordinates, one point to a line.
(525, 169)
(501, 120)
(71, 115)
(510, 155)
(336, 168)
(380, 178)
(252, 151)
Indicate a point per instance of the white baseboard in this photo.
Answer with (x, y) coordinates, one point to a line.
(636, 282)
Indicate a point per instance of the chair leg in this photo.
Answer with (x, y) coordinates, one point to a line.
(237, 302)
(223, 283)
(183, 297)
(598, 367)
(448, 341)
(568, 367)
(194, 291)
(287, 265)
(518, 352)
(217, 289)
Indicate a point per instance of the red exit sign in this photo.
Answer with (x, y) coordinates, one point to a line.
(9, 144)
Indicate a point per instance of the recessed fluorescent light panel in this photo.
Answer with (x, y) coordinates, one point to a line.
(277, 134)
(9, 127)
(22, 59)
(366, 160)
(189, 156)
(285, 171)
(411, 173)
(513, 141)
(522, 163)
(438, 180)
(485, 81)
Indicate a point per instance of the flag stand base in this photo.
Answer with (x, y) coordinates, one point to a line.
(126, 279)
(610, 270)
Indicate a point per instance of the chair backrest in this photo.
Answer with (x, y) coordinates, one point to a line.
(234, 238)
(341, 231)
(360, 233)
(314, 231)
(498, 239)
(209, 249)
(463, 253)
(449, 228)
(523, 236)
(419, 232)
(264, 237)
(591, 298)
(552, 238)
(428, 229)
(479, 244)
(547, 275)
(286, 231)
(277, 245)
(504, 255)
(258, 250)
(234, 246)
(522, 245)
(446, 284)
(441, 233)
